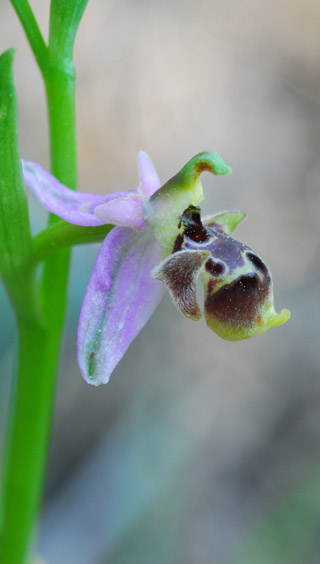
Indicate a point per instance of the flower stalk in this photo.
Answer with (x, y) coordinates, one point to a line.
(62, 235)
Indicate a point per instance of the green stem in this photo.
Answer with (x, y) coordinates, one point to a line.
(19, 274)
(61, 235)
(39, 345)
(32, 31)
(35, 380)
(27, 440)
(60, 88)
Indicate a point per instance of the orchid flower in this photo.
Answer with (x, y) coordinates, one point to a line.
(160, 240)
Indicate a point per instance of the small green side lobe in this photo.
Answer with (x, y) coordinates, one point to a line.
(183, 190)
(228, 221)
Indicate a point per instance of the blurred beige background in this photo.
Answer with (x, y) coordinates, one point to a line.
(195, 443)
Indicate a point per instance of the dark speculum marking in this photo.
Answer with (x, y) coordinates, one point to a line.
(192, 215)
(178, 243)
(215, 268)
(238, 303)
(211, 285)
(196, 234)
(194, 230)
(258, 263)
(227, 249)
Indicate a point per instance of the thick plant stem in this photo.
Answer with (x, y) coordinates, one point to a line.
(28, 440)
(60, 87)
(39, 338)
(39, 348)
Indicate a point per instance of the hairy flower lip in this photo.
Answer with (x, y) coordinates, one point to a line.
(237, 283)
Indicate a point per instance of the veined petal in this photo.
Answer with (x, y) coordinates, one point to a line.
(149, 180)
(75, 207)
(120, 298)
(127, 211)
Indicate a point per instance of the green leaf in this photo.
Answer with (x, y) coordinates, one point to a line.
(16, 260)
(15, 236)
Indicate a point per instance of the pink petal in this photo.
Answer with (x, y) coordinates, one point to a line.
(127, 212)
(120, 298)
(75, 207)
(149, 181)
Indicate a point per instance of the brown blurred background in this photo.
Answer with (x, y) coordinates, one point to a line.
(198, 451)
